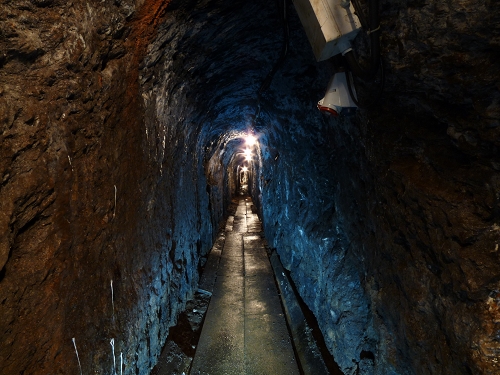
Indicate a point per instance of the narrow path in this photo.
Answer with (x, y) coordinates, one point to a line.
(244, 332)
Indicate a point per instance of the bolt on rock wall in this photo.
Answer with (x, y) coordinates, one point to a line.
(104, 215)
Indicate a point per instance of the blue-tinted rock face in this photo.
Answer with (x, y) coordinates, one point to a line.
(309, 220)
(122, 124)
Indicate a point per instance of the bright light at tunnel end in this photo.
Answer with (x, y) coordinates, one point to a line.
(248, 154)
(250, 140)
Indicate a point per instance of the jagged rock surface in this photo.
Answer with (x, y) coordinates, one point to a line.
(99, 236)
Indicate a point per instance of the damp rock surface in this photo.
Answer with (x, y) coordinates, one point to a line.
(90, 246)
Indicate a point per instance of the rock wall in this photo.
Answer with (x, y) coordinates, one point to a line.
(102, 223)
(438, 153)
(314, 198)
(389, 222)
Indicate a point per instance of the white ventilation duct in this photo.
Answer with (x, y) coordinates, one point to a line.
(330, 25)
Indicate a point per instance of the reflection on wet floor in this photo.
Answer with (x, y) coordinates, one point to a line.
(244, 330)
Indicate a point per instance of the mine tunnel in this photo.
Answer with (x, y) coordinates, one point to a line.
(122, 128)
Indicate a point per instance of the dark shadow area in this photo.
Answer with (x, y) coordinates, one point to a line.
(312, 322)
(180, 347)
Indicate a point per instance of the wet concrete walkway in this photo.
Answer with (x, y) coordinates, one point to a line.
(244, 330)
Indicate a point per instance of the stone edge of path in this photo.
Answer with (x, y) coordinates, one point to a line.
(309, 356)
